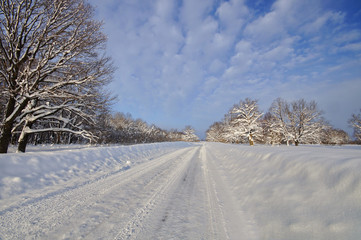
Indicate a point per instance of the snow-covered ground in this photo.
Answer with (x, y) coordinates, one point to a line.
(181, 191)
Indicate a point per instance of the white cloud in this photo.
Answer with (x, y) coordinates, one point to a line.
(265, 28)
(349, 36)
(352, 47)
(316, 24)
(216, 67)
(192, 13)
(281, 52)
(232, 15)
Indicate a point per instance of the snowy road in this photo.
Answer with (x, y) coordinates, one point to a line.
(179, 195)
(182, 191)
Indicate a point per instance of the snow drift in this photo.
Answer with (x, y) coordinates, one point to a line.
(307, 192)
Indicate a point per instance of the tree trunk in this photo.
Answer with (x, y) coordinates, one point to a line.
(58, 135)
(250, 139)
(5, 137)
(296, 143)
(23, 142)
(23, 139)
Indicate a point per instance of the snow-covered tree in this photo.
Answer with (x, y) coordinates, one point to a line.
(306, 122)
(189, 135)
(335, 136)
(300, 121)
(48, 50)
(66, 117)
(122, 128)
(245, 122)
(241, 124)
(280, 122)
(215, 132)
(174, 135)
(271, 134)
(355, 123)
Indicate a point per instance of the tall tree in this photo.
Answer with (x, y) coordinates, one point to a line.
(48, 49)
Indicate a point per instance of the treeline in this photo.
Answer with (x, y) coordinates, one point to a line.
(118, 128)
(122, 128)
(296, 122)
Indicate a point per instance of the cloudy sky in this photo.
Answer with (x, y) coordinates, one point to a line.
(186, 62)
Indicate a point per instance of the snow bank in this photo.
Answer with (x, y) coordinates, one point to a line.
(48, 166)
(296, 192)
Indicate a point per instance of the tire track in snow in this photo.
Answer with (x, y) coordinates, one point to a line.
(183, 212)
(235, 222)
(135, 225)
(141, 183)
(217, 228)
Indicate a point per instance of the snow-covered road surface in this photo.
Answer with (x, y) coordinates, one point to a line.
(174, 195)
(182, 191)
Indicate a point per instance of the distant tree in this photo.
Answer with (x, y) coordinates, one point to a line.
(189, 135)
(245, 120)
(122, 128)
(103, 115)
(215, 132)
(175, 135)
(271, 133)
(280, 123)
(228, 134)
(355, 123)
(335, 136)
(157, 134)
(299, 121)
(50, 52)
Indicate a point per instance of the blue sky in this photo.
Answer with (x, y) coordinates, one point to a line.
(187, 62)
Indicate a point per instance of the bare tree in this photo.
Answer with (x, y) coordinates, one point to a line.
(355, 123)
(48, 49)
(300, 121)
